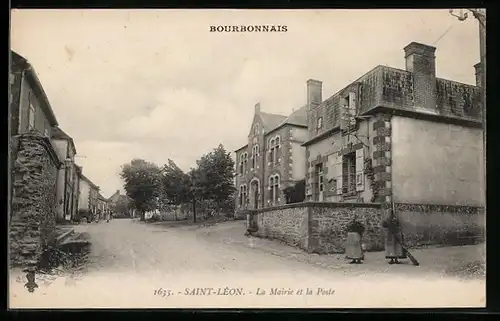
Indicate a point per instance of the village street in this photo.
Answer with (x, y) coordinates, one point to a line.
(129, 260)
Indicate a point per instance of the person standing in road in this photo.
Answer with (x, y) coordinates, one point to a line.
(354, 250)
(393, 240)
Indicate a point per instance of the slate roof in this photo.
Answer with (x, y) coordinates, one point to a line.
(23, 63)
(58, 133)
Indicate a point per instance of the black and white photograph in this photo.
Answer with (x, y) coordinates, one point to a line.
(225, 158)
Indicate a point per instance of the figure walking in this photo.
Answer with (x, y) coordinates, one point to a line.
(393, 240)
(354, 249)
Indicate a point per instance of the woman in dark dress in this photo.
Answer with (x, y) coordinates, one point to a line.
(393, 248)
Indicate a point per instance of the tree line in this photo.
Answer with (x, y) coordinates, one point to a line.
(151, 186)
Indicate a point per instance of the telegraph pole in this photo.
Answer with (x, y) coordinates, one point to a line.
(480, 15)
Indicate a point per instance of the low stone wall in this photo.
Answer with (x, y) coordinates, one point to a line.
(287, 223)
(321, 227)
(318, 227)
(438, 224)
(33, 221)
(328, 224)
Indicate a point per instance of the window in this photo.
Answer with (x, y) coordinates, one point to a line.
(256, 129)
(349, 113)
(274, 144)
(274, 184)
(320, 123)
(243, 163)
(46, 132)
(255, 155)
(319, 181)
(243, 195)
(349, 173)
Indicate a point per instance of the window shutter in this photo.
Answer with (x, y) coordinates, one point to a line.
(337, 171)
(352, 109)
(360, 164)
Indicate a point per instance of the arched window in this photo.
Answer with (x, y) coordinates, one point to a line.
(256, 129)
(274, 184)
(243, 195)
(274, 144)
(243, 163)
(255, 155)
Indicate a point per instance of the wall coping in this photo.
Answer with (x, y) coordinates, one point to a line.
(398, 207)
(310, 204)
(44, 142)
(436, 207)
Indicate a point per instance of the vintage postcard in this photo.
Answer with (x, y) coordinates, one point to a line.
(247, 158)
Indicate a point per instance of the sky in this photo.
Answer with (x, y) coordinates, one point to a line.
(156, 84)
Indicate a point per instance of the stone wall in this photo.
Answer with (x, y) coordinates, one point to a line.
(287, 223)
(321, 227)
(318, 227)
(32, 225)
(328, 224)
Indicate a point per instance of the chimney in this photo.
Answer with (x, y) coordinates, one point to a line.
(479, 74)
(314, 93)
(257, 108)
(421, 61)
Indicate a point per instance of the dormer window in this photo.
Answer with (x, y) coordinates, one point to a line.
(319, 125)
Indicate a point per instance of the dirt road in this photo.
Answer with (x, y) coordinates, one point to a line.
(133, 265)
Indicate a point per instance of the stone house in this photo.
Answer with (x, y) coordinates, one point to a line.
(117, 197)
(67, 183)
(397, 135)
(272, 160)
(89, 193)
(33, 164)
(393, 138)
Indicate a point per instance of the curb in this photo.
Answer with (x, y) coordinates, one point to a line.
(63, 237)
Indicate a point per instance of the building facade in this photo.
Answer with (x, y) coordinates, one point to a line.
(272, 160)
(395, 135)
(33, 165)
(67, 183)
(122, 210)
(102, 205)
(89, 193)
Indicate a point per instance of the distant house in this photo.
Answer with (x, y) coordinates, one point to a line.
(118, 198)
(102, 204)
(67, 183)
(33, 164)
(89, 192)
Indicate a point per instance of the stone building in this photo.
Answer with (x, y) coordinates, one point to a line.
(33, 163)
(393, 138)
(89, 193)
(123, 199)
(67, 183)
(272, 159)
(397, 135)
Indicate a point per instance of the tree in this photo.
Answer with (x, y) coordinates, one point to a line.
(176, 184)
(142, 184)
(215, 176)
(296, 193)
